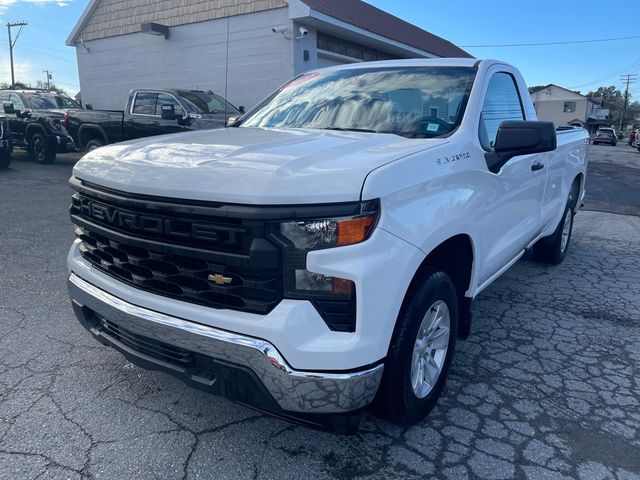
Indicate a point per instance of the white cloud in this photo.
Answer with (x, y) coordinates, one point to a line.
(5, 4)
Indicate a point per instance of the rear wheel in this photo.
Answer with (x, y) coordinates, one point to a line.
(93, 144)
(421, 351)
(553, 249)
(40, 151)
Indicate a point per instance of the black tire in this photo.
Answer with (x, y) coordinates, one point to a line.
(551, 249)
(40, 150)
(5, 160)
(396, 398)
(595, 143)
(93, 144)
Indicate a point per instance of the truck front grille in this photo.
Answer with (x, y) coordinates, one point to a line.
(167, 251)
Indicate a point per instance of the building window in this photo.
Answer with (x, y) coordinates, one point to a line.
(350, 49)
(569, 107)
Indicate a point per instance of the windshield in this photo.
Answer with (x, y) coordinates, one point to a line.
(65, 102)
(204, 102)
(416, 102)
(42, 101)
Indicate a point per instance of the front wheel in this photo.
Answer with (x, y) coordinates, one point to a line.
(40, 150)
(5, 160)
(553, 249)
(421, 350)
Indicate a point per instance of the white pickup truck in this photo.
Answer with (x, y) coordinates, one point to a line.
(322, 253)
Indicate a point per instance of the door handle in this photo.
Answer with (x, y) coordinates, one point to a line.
(537, 166)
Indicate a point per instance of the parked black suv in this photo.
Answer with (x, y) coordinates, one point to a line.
(6, 143)
(149, 112)
(36, 119)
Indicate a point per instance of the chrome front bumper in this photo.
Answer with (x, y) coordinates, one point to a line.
(293, 390)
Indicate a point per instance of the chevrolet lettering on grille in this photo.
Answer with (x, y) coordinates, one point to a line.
(156, 225)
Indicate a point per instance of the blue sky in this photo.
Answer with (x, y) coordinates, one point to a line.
(41, 45)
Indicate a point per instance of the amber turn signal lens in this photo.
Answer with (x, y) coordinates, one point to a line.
(342, 286)
(354, 230)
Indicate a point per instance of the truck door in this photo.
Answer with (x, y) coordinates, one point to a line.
(512, 215)
(16, 124)
(144, 117)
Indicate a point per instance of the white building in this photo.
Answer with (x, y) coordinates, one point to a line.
(565, 107)
(246, 48)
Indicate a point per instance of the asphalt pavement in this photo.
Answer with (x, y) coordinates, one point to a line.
(547, 387)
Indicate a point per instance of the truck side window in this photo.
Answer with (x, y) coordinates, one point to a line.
(145, 103)
(165, 99)
(502, 102)
(17, 102)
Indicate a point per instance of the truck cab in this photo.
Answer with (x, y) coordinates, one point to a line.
(150, 112)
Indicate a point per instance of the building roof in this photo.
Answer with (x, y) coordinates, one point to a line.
(572, 93)
(368, 17)
(353, 12)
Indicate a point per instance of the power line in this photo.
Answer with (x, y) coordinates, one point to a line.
(636, 63)
(537, 44)
(38, 51)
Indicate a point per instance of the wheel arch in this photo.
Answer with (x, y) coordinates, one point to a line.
(33, 128)
(456, 257)
(576, 187)
(89, 132)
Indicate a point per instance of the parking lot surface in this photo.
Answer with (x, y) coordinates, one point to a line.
(547, 387)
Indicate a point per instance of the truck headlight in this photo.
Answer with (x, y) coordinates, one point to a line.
(333, 297)
(329, 232)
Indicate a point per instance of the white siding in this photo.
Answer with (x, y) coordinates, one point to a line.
(193, 57)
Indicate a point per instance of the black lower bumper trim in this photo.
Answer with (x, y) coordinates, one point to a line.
(218, 377)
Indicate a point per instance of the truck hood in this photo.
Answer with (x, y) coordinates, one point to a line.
(248, 165)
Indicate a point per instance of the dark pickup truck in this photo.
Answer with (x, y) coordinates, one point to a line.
(6, 143)
(36, 121)
(150, 112)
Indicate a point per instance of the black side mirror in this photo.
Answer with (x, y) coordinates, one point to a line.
(168, 112)
(88, 106)
(9, 108)
(241, 109)
(521, 138)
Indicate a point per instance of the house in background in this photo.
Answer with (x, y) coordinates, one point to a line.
(242, 49)
(565, 107)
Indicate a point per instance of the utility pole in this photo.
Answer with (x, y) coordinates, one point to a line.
(12, 43)
(627, 78)
(49, 77)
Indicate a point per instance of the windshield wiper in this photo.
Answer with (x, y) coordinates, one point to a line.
(341, 129)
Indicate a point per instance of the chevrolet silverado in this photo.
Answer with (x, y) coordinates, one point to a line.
(322, 253)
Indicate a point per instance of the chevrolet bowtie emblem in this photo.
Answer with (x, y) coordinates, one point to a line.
(219, 279)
